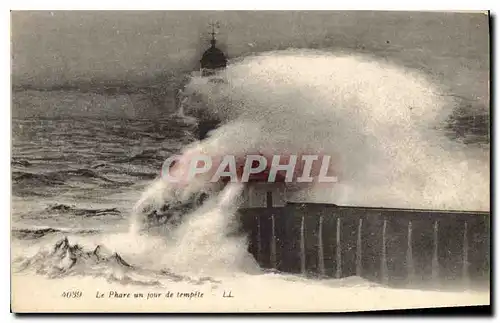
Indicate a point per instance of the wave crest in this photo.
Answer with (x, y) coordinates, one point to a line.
(385, 125)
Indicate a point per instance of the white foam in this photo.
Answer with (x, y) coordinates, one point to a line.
(380, 122)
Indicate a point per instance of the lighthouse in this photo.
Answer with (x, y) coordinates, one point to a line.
(213, 59)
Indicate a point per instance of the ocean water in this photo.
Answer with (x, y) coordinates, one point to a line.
(82, 187)
(71, 210)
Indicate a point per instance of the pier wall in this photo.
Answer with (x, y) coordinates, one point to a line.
(396, 247)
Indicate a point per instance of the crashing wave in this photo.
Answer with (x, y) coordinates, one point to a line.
(64, 259)
(385, 126)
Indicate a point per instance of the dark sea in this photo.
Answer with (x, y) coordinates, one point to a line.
(74, 172)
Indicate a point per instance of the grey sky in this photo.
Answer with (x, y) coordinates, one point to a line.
(56, 47)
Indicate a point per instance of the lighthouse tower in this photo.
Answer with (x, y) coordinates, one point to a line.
(213, 59)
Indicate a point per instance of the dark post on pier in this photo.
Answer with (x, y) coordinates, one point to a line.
(396, 247)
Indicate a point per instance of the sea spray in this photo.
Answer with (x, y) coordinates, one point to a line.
(165, 198)
(152, 197)
(382, 120)
(207, 240)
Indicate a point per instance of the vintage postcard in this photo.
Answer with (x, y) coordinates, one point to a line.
(249, 161)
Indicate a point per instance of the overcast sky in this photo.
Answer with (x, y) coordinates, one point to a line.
(54, 47)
